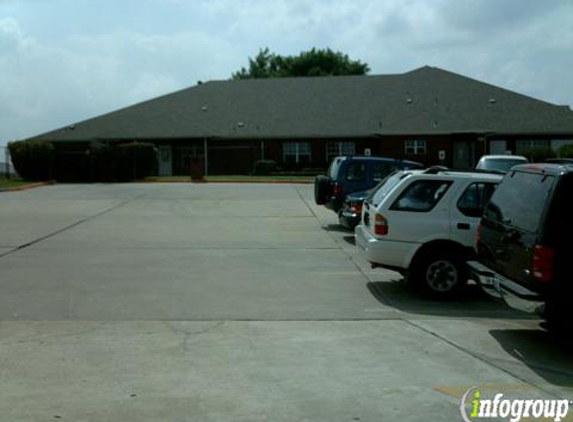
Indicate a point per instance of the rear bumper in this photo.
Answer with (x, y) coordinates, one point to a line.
(349, 219)
(386, 253)
(514, 295)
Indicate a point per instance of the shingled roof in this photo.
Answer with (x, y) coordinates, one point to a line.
(424, 101)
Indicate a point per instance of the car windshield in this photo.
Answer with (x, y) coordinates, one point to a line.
(501, 164)
(385, 186)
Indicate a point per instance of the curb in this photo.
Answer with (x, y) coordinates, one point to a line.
(26, 187)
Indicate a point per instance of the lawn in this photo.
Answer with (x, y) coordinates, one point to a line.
(13, 183)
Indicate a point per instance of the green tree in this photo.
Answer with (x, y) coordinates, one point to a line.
(316, 62)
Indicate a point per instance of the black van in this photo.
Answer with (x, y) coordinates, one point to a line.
(524, 243)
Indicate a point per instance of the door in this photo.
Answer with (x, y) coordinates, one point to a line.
(466, 209)
(165, 160)
(462, 154)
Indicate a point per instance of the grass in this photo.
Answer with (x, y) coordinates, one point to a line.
(234, 178)
(13, 183)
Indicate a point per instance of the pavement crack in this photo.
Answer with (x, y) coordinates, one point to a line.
(189, 335)
(70, 226)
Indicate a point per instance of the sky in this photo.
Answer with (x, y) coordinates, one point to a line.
(63, 61)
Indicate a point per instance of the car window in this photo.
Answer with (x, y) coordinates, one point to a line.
(520, 200)
(356, 172)
(334, 167)
(501, 164)
(385, 186)
(473, 200)
(421, 196)
(380, 171)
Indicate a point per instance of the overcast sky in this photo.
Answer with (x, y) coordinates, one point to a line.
(62, 61)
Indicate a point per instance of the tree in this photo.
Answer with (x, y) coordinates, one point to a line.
(315, 62)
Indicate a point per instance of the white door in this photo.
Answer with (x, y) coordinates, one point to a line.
(165, 160)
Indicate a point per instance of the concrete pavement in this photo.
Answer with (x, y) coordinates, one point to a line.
(233, 302)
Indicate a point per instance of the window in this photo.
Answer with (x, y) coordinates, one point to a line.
(334, 149)
(473, 200)
(421, 196)
(356, 172)
(521, 201)
(296, 152)
(380, 171)
(523, 145)
(415, 147)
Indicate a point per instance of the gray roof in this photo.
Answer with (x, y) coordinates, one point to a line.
(424, 101)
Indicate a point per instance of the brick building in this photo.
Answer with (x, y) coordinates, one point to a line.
(427, 115)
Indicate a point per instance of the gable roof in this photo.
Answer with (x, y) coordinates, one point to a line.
(424, 101)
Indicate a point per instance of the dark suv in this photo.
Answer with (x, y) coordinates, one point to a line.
(524, 242)
(348, 174)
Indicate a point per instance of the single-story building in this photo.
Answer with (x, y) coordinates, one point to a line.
(428, 115)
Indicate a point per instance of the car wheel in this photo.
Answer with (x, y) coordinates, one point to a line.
(558, 317)
(439, 275)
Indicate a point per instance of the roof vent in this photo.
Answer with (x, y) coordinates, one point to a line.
(204, 108)
(492, 101)
(240, 124)
(409, 100)
(71, 127)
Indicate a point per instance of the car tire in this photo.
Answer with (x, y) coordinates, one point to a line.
(558, 317)
(439, 274)
(321, 189)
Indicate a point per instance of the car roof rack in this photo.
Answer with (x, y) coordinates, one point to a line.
(439, 169)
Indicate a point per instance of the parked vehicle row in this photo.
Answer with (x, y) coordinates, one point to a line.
(506, 227)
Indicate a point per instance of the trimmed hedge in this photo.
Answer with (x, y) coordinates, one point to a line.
(538, 155)
(135, 160)
(33, 160)
(264, 167)
(566, 151)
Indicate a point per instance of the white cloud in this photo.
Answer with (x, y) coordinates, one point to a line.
(72, 59)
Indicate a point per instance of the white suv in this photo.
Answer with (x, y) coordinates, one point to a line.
(423, 225)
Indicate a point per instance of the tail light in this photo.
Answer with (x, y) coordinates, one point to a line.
(380, 225)
(542, 263)
(356, 208)
(337, 189)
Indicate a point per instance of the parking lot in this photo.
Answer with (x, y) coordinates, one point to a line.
(238, 302)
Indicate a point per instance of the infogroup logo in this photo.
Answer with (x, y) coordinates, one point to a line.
(475, 407)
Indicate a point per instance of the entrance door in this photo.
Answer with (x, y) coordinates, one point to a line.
(165, 160)
(462, 158)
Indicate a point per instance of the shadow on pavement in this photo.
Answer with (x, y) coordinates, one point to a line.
(540, 352)
(336, 228)
(350, 240)
(472, 303)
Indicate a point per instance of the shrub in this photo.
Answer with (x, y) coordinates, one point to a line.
(135, 160)
(566, 151)
(33, 160)
(264, 167)
(538, 155)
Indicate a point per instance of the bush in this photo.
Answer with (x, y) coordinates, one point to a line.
(33, 160)
(135, 160)
(264, 167)
(538, 155)
(566, 151)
